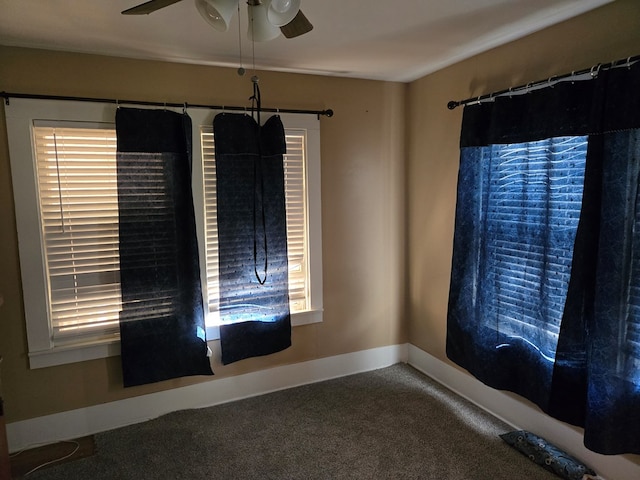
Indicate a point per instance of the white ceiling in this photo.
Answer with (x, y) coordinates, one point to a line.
(397, 40)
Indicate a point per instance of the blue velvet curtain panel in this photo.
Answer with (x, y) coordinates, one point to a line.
(162, 330)
(545, 289)
(252, 236)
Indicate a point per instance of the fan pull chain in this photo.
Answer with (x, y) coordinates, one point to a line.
(253, 42)
(241, 69)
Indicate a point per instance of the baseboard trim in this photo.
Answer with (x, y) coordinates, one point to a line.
(521, 414)
(99, 418)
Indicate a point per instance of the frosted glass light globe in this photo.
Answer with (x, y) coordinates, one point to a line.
(281, 6)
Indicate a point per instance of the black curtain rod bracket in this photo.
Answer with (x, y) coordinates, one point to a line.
(593, 72)
(8, 95)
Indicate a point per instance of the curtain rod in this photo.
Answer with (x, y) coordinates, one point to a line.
(7, 96)
(593, 71)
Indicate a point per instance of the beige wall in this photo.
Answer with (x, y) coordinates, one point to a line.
(362, 212)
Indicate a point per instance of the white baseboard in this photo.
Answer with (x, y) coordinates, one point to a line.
(521, 414)
(99, 418)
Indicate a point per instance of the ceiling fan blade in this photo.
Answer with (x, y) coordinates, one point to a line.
(296, 27)
(149, 7)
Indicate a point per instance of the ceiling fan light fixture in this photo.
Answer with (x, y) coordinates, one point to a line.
(281, 12)
(260, 29)
(217, 13)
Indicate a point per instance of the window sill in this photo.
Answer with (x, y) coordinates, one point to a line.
(297, 319)
(62, 354)
(110, 347)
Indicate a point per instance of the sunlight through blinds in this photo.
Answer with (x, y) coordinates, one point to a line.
(631, 341)
(79, 215)
(534, 199)
(296, 207)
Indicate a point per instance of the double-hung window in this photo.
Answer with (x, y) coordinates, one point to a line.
(296, 186)
(63, 159)
(533, 203)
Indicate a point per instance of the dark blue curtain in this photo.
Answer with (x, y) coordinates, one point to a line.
(162, 330)
(545, 289)
(252, 236)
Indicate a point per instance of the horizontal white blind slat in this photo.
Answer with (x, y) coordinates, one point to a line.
(631, 345)
(78, 196)
(533, 207)
(77, 185)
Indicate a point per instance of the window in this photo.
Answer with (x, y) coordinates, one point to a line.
(296, 205)
(65, 190)
(631, 341)
(78, 200)
(533, 206)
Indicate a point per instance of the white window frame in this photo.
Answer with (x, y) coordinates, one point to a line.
(311, 125)
(20, 116)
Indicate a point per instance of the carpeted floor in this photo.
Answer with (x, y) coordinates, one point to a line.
(392, 423)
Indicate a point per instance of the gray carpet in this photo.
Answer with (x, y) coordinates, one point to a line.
(392, 423)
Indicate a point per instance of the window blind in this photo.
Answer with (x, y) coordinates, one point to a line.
(296, 211)
(296, 205)
(631, 342)
(79, 215)
(534, 195)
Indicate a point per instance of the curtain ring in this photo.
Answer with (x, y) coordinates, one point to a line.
(595, 70)
(629, 63)
(184, 108)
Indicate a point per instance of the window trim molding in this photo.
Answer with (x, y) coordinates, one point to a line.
(20, 115)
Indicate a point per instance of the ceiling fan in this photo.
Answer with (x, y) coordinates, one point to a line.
(267, 17)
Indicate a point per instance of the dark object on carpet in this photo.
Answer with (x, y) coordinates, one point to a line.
(547, 455)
